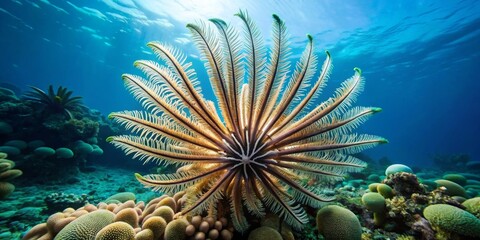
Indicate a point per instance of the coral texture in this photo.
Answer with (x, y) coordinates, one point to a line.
(335, 222)
(453, 219)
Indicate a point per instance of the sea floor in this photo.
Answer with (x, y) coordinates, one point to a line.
(33, 201)
(26, 206)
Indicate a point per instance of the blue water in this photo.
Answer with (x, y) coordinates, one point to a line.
(420, 58)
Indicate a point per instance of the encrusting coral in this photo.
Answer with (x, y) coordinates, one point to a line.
(263, 140)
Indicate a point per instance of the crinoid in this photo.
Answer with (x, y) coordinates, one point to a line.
(59, 102)
(268, 138)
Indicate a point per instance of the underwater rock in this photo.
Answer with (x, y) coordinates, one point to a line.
(430, 184)
(404, 183)
(422, 226)
(57, 202)
(440, 196)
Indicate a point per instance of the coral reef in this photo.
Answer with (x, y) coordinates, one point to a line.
(405, 184)
(41, 132)
(154, 220)
(57, 202)
(403, 215)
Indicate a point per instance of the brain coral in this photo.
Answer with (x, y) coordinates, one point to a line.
(86, 226)
(175, 230)
(335, 222)
(473, 206)
(453, 219)
(116, 231)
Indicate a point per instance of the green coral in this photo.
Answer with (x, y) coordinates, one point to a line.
(456, 178)
(375, 203)
(335, 222)
(385, 190)
(453, 189)
(116, 231)
(473, 206)
(453, 219)
(86, 226)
